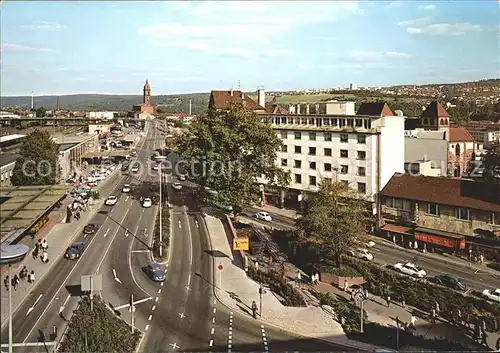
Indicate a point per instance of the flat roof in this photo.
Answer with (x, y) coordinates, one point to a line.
(121, 153)
(63, 139)
(22, 205)
(8, 157)
(11, 137)
(66, 146)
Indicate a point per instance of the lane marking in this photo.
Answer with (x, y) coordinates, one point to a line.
(129, 259)
(159, 291)
(64, 304)
(146, 328)
(106, 233)
(180, 224)
(153, 308)
(150, 317)
(161, 284)
(140, 251)
(189, 282)
(211, 343)
(156, 299)
(264, 339)
(126, 198)
(182, 315)
(174, 346)
(214, 310)
(212, 331)
(213, 320)
(35, 303)
(196, 223)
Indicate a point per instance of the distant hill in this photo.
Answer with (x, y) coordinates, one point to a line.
(178, 103)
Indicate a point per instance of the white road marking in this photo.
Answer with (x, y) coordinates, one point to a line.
(159, 291)
(126, 198)
(213, 320)
(161, 284)
(264, 339)
(215, 310)
(211, 343)
(182, 315)
(106, 233)
(196, 223)
(35, 303)
(212, 331)
(140, 251)
(146, 328)
(153, 308)
(189, 281)
(150, 317)
(64, 304)
(174, 345)
(156, 299)
(180, 224)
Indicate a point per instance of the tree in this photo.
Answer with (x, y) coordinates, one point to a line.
(491, 163)
(159, 110)
(40, 112)
(37, 161)
(332, 220)
(227, 150)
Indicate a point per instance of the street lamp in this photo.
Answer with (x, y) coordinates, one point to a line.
(360, 296)
(11, 254)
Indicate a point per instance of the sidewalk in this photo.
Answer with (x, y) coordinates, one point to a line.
(235, 290)
(58, 237)
(285, 212)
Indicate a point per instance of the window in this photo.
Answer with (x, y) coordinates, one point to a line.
(298, 179)
(462, 213)
(284, 134)
(328, 136)
(362, 188)
(312, 136)
(297, 163)
(359, 122)
(312, 151)
(328, 167)
(328, 152)
(344, 183)
(284, 148)
(298, 149)
(361, 171)
(344, 169)
(399, 204)
(495, 218)
(362, 139)
(298, 135)
(344, 154)
(284, 162)
(312, 180)
(343, 138)
(361, 155)
(432, 209)
(312, 165)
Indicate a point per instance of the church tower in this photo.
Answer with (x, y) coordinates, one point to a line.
(146, 94)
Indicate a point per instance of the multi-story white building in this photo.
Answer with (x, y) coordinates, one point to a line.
(101, 115)
(485, 136)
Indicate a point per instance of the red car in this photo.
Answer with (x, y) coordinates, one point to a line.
(91, 228)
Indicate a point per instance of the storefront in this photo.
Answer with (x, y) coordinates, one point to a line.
(397, 233)
(439, 239)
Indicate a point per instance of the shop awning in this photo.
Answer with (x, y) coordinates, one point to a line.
(396, 229)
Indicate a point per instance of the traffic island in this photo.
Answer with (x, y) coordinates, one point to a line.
(98, 330)
(165, 237)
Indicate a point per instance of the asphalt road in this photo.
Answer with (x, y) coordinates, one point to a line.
(387, 255)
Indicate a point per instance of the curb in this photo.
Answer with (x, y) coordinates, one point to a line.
(259, 319)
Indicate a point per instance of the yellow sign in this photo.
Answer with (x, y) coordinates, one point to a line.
(241, 244)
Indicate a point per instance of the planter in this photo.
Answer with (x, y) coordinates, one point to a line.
(340, 280)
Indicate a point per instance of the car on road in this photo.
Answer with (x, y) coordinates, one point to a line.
(450, 281)
(111, 200)
(156, 167)
(146, 203)
(134, 169)
(155, 272)
(91, 228)
(361, 253)
(410, 269)
(182, 177)
(75, 250)
(92, 183)
(263, 216)
(126, 188)
(492, 294)
(177, 186)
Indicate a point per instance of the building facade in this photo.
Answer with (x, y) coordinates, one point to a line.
(71, 151)
(146, 107)
(485, 136)
(422, 146)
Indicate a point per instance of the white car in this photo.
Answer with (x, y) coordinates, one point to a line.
(134, 169)
(182, 177)
(410, 269)
(263, 216)
(177, 186)
(361, 253)
(126, 188)
(493, 295)
(155, 167)
(111, 200)
(146, 203)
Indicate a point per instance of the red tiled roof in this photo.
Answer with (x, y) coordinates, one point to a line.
(460, 134)
(375, 109)
(222, 99)
(273, 108)
(395, 228)
(444, 191)
(435, 110)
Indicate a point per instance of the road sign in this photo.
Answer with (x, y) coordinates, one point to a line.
(241, 244)
(220, 267)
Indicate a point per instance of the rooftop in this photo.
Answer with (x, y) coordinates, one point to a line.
(435, 110)
(7, 158)
(222, 99)
(375, 109)
(460, 134)
(11, 137)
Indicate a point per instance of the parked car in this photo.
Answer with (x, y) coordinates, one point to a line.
(155, 272)
(410, 269)
(75, 250)
(126, 188)
(134, 169)
(177, 186)
(493, 294)
(450, 281)
(91, 228)
(111, 200)
(263, 216)
(361, 253)
(146, 203)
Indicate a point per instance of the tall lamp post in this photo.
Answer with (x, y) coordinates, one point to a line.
(11, 254)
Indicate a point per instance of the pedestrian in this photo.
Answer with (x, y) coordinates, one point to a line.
(495, 324)
(346, 285)
(15, 282)
(424, 250)
(23, 273)
(436, 305)
(317, 278)
(31, 277)
(481, 258)
(38, 245)
(45, 257)
(6, 282)
(483, 325)
(413, 319)
(403, 300)
(254, 309)
(388, 300)
(410, 245)
(433, 315)
(416, 245)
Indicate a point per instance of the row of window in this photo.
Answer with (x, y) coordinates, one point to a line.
(313, 181)
(327, 136)
(361, 155)
(332, 122)
(344, 169)
(461, 213)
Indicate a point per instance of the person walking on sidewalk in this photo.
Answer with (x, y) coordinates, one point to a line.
(413, 320)
(31, 277)
(254, 309)
(36, 251)
(403, 300)
(45, 245)
(15, 282)
(346, 285)
(388, 300)
(45, 257)
(23, 273)
(6, 282)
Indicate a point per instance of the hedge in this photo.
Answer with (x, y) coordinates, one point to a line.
(290, 295)
(345, 271)
(165, 236)
(98, 331)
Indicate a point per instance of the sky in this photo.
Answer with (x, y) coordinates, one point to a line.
(68, 47)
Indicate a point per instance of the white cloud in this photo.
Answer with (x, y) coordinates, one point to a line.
(19, 48)
(44, 26)
(427, 7)
(445, 29)
(421, 21)
(370, 56)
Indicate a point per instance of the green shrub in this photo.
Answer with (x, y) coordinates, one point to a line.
(345, 271)
(165, 236)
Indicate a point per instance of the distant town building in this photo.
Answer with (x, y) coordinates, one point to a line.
(223, 99)
(485, 136)
(101, 115)
(146, 107)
